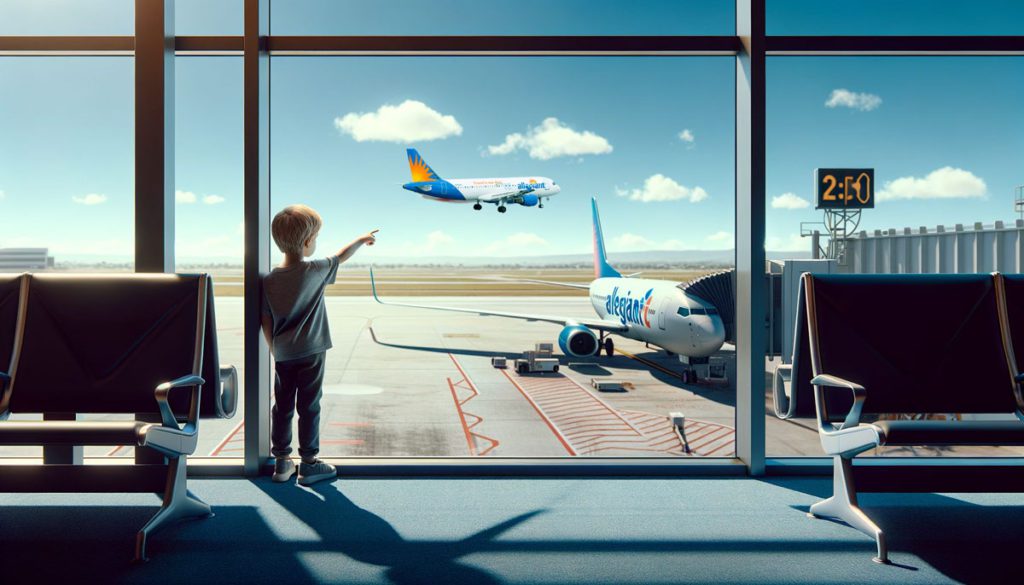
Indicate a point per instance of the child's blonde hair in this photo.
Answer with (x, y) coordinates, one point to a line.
(293, 225)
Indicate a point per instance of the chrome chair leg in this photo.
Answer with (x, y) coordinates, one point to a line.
(843, 506)
(177, 505)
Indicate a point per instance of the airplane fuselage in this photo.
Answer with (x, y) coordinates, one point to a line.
(493, 190)
(660, 313)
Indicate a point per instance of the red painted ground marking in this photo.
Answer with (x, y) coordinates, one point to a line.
(541, 414)
(467, 427)
(114, 451)
(220, 446)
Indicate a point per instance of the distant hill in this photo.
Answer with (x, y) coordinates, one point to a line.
(712, 258)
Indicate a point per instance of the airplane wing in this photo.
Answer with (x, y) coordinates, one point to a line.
(552, 283)
(598, 324)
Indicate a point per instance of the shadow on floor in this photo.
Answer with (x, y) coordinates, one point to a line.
(965, 542)
(366, 537)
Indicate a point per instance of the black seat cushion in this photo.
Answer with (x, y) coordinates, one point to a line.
(71, 432)
(942, 432)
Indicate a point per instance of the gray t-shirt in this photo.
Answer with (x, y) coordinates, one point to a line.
(294, 299)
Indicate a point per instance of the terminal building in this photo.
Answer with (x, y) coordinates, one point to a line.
(25, 259)
(810, 368)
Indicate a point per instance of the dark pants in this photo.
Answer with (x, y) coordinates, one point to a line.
(297, 386)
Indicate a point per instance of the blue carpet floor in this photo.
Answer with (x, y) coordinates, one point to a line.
(442, 531)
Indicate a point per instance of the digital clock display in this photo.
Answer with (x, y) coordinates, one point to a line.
(845, 188)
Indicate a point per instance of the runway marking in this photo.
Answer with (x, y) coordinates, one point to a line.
(554, 429)
(227, 439)
(467, 427)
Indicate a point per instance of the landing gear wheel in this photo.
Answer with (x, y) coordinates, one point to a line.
(522, 368)
(609, 347)
(686, 377)
(477, 206)
(554, 369)
(502, 209)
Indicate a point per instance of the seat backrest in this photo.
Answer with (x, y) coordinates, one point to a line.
(1014, 286)
(101, 344)
(918, 343)
(10, 287)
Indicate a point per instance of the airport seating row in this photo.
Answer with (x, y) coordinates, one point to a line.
(904, 360)
(139, 345)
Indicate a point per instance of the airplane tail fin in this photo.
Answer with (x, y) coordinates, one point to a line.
(601, 267)
(419, 168)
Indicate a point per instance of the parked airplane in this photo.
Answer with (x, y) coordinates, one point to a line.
(657, 312)
(525, 191)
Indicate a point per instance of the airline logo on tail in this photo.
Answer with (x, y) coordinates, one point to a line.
(420, 170)
(601, 267)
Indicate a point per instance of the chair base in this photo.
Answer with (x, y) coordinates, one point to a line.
(843, 506)
(177, 505)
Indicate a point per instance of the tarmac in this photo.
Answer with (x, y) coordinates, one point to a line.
(403, 382)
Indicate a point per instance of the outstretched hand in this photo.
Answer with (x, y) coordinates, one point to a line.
(369, 238)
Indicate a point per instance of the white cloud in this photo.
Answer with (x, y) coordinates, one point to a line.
(517, 244)
(790, 243)
(789, 201)
(213, 199)
(686, 136)
(845, 98)
(661, 188)
(944, 183)
(438, 239)
(2, 195)
(184, 196)
(409, 121)
(90, 199)
(552, 139)
(720, 237)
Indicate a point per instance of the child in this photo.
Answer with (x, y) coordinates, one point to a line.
(294, 321)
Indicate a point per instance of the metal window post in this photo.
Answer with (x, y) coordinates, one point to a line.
(256, 138)
(750, 235)
(154, 150)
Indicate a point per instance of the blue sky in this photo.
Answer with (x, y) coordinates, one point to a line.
(652, 138)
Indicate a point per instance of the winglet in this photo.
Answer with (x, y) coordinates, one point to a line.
(601, 267)
(373, 287)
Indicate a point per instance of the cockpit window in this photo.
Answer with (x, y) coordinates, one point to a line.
(683, 312)
(698, 311)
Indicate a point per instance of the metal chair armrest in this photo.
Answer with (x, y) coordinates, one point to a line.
(783, 403)
(823, 381)
(166, 414)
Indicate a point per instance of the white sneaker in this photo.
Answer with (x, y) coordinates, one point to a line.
(316, 471)
(284, 469)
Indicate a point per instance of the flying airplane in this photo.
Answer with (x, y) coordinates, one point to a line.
(525, 191)
(657, 312)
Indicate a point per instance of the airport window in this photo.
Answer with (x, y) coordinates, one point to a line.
(67, 17)
(945, 161)
(208, 211)
(66, 167)
(884, 17)
(503, 17)
(404, 381)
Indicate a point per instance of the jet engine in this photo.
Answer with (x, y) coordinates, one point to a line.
(529, 200)
(577, 341)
